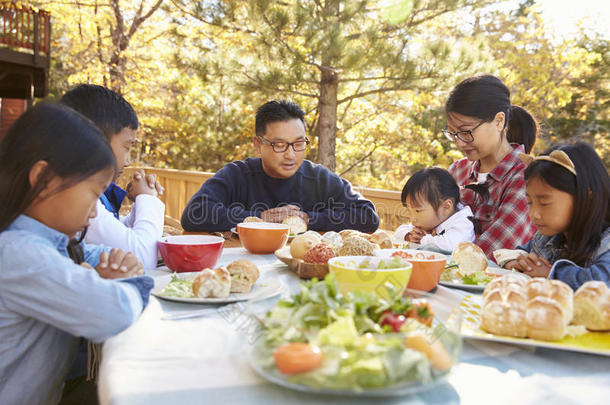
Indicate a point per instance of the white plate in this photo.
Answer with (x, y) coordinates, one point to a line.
(479, 288)
(264, 287)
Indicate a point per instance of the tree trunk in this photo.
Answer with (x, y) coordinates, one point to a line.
(326, 128)
(117, 72)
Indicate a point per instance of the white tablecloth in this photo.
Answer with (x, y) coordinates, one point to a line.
(203, 361)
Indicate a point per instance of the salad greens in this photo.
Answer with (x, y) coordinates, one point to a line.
(453, 274)
(358, 353)
(178, 288)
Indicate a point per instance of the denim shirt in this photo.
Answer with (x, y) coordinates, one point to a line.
(552, 247)
(45, 301)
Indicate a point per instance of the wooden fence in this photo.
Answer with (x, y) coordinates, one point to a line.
(180, 185)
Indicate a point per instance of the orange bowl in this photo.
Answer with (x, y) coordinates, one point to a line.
(262, 237)
(190, 252)
(427, 266)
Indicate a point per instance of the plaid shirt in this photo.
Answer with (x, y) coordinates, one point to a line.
(504, 217)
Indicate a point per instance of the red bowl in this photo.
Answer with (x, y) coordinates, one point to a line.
(187, 253)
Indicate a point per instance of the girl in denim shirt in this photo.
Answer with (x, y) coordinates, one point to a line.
(54, 164)
(568, 190)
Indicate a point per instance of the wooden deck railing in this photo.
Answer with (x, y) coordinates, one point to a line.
(25, 27)
(180, 185)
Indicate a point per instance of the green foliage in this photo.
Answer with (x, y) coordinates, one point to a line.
(197, 70)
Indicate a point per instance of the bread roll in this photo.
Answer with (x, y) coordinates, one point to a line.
(302, 243)
(592, 306)
(469, 257)
(252, 219)
(346, 233)
(545, 319)
(504, 312)
(212, 283)
(381, 238)
(297, 224)
(244, 274)
(333, 239)
(539, 308)
(356, 246)
(555, 289)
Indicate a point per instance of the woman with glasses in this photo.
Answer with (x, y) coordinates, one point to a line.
(491, 133)
(278, 184)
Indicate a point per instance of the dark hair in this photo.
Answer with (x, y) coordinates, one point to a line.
(434, 185)
(522, 129)
(276, 111)
(591, 191)
(107, 109)
(73, 147)
(483, 96)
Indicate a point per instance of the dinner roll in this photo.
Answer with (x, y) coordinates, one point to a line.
(592, 306)
(244, 274)
(545, 319)
(555, 289)
(539, 308)
(504, 312)
(381, 238)
(469, 257)
(356, 246)
(252, 219)
(297, 224)
(212, 283)
(302, 243)
(346, 233)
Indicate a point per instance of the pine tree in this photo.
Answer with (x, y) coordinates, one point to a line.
(330, 53)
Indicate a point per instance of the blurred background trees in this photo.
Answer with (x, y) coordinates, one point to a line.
(372, 76)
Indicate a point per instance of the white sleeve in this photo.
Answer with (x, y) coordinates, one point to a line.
(147, 216)
(402, 231)
(460, 231)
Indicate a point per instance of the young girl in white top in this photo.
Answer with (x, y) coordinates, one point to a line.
(437, 217)
(139, 230)
(54, 165)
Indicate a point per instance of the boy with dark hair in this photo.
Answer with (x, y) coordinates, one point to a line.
(138, 231)
(278, 184)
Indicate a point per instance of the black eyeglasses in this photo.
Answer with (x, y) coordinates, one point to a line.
(281, 147)
(464, 136)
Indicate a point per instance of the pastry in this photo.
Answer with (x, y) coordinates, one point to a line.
(212, 283)
(592, 306)
(469, 257)
(244, 274)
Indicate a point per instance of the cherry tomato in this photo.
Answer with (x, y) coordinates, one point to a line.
(294, 358)
(393, 320)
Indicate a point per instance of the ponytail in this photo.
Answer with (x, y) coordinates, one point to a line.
(522, 128)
